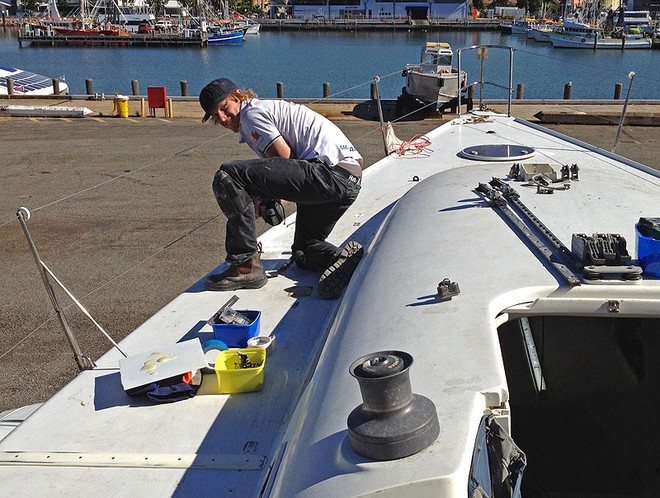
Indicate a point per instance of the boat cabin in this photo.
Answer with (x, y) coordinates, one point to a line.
(436, 58)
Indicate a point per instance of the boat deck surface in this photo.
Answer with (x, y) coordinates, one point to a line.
(421, 221)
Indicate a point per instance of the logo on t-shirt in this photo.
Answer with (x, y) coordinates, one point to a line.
(255, 136)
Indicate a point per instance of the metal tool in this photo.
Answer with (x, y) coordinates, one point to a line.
(226, 314)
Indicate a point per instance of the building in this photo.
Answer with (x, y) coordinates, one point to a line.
(378, 9)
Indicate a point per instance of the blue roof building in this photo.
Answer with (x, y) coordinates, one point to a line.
(379, 9)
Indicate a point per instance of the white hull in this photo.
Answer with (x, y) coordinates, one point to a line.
(541, 35)
(421, 221)
(253, 29)
(434, 87)
(570, 41)
(44, 111)
(28, 83)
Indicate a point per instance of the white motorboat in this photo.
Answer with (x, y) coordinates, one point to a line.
(541, 31)
(495, 289)
(575, 34)
(29, 83)
(433, 80)
(522, 26)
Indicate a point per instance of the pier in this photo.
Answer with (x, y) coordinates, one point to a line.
(131, 40)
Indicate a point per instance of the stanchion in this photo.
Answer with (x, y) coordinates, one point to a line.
(568, 90)
(380, 112)
(631, 75)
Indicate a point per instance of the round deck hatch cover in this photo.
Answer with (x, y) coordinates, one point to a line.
(497, 152)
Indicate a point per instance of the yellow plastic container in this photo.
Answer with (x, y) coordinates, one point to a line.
(120, 106)
(233, 379)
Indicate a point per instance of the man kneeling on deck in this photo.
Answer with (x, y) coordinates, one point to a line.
(304, 158)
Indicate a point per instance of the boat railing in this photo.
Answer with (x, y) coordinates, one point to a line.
(482, 55)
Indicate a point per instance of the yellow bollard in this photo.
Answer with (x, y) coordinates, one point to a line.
(120, 106)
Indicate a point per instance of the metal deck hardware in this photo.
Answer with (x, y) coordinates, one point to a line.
(499, 195)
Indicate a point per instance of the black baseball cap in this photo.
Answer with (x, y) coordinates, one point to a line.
(214, 93)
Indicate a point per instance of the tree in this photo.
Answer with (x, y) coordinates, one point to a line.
(157, 6)
(63, 7)
(30, 5)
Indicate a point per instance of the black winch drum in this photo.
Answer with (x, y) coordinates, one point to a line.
(392, 422)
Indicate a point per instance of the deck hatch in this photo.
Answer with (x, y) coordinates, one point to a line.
(497, 152)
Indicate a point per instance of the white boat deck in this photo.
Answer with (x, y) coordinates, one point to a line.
(290, 439)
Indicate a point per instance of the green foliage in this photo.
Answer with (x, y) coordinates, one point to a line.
(30, 5)
(535, 6)
(501, 3)
(157, 7)
(63, 6)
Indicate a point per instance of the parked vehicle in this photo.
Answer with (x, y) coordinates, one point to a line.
(144, 28)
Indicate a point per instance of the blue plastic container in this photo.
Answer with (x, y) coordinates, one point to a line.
(236, 336)
(648, 253)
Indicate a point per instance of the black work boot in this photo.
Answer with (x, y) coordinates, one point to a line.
(335, 278)
(247, 275)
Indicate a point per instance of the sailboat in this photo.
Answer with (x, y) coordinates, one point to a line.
(498, 337)
(78, 26)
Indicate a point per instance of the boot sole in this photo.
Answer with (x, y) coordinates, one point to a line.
(334, 279)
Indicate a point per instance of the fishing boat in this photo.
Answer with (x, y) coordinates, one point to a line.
(499, 336)
(433, 80)
(522, 26)
(29, 83)
(574, 34)
(225, 36)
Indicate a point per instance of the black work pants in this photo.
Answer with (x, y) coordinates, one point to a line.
(321, 196)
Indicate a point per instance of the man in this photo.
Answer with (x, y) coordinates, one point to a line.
(303, 158)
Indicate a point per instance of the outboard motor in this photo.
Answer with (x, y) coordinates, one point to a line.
(392, 422)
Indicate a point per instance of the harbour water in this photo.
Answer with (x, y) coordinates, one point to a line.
(347, 60)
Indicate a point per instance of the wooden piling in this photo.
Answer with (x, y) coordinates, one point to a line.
(618, 89)
(135, 86)
(568, 90)
(280, 90)
(56, 86)
(184, 88)
(10, 87)
(89, 85)
(520, 91)
(326, 90)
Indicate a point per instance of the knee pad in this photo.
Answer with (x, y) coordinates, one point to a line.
(233, 201)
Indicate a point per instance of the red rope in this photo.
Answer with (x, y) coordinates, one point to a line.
(415, 145)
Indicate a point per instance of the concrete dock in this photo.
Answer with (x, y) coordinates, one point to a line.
(123, 214)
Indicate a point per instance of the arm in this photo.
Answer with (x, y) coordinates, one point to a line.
(279, 148)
